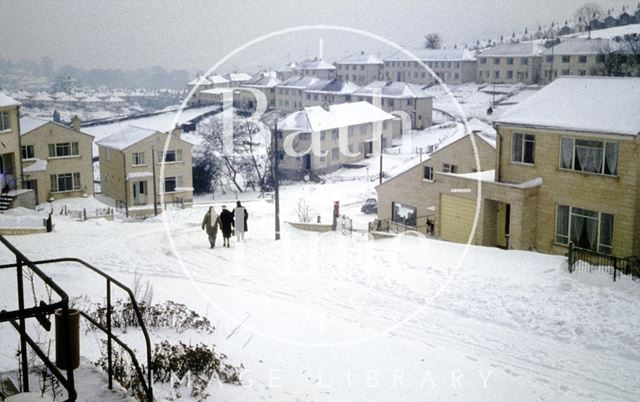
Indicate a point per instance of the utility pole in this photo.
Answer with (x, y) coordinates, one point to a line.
(381, 149)
(276, 190)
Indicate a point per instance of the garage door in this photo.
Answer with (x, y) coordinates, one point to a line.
(456, 218)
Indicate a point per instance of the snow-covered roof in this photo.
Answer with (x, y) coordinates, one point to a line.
(610, 33)
(395, 89)
(125, 137)
(114, 99)
(334, 86)
(315, 64)
(91, 99)
(66, 98)
(483, 130)
(217, 79)
(237, 77)
(606, 105)
(582, 46)
(262, 80)
(199, 80)
(298, 82)
(39, 165)
(6, 101)
(317, 118)
(28, 123)
(435, 55)
(79, 95)
(42, 97)
(514, 49)
(360, 58)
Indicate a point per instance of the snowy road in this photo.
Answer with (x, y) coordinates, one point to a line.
(332, 318)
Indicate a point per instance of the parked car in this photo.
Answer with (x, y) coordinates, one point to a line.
(370, 206)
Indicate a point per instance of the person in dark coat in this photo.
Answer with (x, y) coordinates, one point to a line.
(241, 215)
(211, 222)
(226, 224)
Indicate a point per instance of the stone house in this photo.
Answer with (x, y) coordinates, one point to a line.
(137, 171)
(289, 94)
(360, 69)
(453, 66)
(10, 161)
(511, 64)
(57, 159)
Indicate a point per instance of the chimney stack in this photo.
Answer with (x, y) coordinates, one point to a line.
(176, 132)
(75, 123)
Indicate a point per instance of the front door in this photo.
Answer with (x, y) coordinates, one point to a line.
(504, 217)
(306, 161)
(139, 192)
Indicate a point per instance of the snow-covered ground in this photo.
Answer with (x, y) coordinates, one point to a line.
(327, 317)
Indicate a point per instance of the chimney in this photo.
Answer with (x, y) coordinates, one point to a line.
(176, 132)
(75, 123)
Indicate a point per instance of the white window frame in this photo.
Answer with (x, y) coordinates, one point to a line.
(524, 141)
(5, 121)
(605, 144)
(54, 150)
(178, 184)
(569, 222)
(55, 182)
(449, 168)
(162, 156)
(137, 159)
(27, 148)
(427, 177)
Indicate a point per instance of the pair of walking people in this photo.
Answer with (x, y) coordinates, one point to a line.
(228, 222)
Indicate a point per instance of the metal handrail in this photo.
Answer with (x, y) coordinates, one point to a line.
(147, 383)
(23, 313)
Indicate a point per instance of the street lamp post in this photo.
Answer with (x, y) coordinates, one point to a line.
(276, 190)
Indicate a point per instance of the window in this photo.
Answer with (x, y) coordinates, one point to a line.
(449, 168)
(496, 60)
(170, 156)
(510, 60)
(28, 152)
(509, 75)
(171, 184)
(483, 61)
(589, 156)
(63, 149)
(549, 59)
(403, 214)
(304, 136)
(600, 58)
(496, 74)
(65, 182)
(428, 173)
(524, 61)
(565, 72)
(523, 148)
(566, 59)
(5, 122)
(137, 158)
(335, 154)
(582, 59)
(334, 134)
(584, 228)
(582, 73)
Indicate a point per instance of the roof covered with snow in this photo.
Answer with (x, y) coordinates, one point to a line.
(39, 165)
(395, 89)
(334, 86)
(592, 104)
(514, 49)
(317, 118)
(262, 80)
(483, 130)
(315, 64)
(28, 123)
(360, 58)
(217, 79)
(610, 33)
(125, 137)
(434, 55)
(199, 80)
(237, 77)
(6, 101)
(298, 82)
(286, 68)
(582, 46)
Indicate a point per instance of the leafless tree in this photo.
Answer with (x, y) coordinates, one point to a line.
(229, 164)
(587, 13)
(304, 211)
(254, 142)
(619, 59)
(432, 41)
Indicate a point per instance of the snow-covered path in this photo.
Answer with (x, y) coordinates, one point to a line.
(323, 317)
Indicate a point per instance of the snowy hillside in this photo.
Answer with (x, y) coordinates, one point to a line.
(327, 317)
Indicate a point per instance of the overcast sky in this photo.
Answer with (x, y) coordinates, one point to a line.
(196, 34)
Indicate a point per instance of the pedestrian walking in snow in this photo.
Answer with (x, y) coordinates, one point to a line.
(211, 222)
(226, 224)
(241, 216)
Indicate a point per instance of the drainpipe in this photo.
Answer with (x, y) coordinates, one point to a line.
(499, 153)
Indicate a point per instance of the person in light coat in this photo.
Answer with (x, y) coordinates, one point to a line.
(211, 222)
(241, 217)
